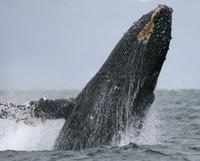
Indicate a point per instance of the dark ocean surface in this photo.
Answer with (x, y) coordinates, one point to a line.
(171, 132)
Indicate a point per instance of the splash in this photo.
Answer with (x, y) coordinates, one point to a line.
(19, 130)
(21, 136)
(149, 134)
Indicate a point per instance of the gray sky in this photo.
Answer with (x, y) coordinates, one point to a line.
(56, 44)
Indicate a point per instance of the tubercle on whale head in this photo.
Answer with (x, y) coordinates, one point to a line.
(162, 19)
(154, 36)
(146, 32)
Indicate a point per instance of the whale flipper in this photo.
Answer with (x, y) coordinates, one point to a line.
(53, 109)
(120, 94)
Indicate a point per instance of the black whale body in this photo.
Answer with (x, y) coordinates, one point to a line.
(119, 95)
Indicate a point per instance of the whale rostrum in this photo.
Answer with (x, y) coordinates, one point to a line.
(119, 95)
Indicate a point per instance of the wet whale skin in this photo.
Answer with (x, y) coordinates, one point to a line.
(119, 95)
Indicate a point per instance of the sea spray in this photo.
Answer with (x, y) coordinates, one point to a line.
(20, 136)
(20, 130)
(148, 135)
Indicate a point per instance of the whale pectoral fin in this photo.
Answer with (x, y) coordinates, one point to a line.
(53, 109)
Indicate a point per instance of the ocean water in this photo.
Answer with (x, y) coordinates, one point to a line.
(171, 132)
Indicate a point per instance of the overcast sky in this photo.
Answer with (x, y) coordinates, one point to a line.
(59, 44)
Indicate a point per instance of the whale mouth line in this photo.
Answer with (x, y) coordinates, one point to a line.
(146, 32)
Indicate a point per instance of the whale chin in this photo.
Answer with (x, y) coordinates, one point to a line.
(119, 95)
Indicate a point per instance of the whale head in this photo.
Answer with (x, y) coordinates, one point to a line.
(139, 57)
(154, 35)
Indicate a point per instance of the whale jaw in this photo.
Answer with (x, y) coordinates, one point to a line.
(121, 92)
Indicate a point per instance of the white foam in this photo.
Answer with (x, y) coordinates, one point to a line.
(150, 133)
(21, 131)
(20, 136)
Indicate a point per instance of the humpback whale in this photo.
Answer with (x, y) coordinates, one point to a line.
(120, 94)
